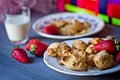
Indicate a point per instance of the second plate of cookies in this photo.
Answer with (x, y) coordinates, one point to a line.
(69, 25)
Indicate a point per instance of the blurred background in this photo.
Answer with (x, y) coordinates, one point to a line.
(107, 10)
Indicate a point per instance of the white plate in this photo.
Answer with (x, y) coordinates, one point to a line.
(38, 26)
(53, 64)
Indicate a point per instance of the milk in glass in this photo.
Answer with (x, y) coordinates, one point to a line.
(17, 27)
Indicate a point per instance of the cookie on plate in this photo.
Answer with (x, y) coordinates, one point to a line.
(103, 60)
(79, 44)
(58, 49)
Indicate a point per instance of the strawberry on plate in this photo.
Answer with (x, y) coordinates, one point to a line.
(36, 47)
(118, 57)
(51, 29)
(20, 55)
(107, 45)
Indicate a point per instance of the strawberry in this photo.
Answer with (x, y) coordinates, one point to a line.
(118, 58)
(118, 42)
(51, 29)
(20, 55)
(36, 47)
(27, 47)
(107, 45)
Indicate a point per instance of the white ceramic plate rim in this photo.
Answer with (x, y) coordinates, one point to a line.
(60, 68)
(35, 26)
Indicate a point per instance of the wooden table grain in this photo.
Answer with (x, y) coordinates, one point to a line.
(11, 69)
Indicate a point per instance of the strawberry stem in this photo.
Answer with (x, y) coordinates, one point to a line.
(16, 46)
(118, 47)
(32, 48)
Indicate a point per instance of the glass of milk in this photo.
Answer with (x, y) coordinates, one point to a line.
(17, 24)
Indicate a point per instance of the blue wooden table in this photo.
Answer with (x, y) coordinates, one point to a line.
(11, 69)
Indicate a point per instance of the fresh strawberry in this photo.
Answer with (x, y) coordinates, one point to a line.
(36, 47)
(20, 55)
(27, 47)
(118, 58)
(51, 29)
(107, 45)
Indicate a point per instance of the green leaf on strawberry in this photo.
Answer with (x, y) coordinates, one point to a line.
(32, 48)
(118, 47)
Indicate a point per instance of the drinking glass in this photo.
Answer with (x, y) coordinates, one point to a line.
(17, 24)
